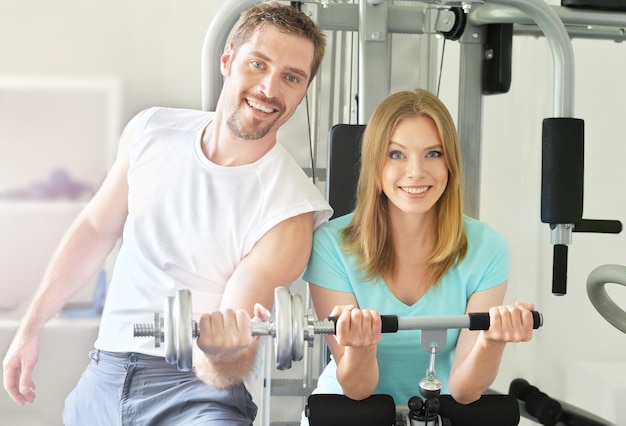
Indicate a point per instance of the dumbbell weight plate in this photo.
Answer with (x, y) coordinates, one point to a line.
(297, 315)
(168, 330)
(283, 338)
(183, 322)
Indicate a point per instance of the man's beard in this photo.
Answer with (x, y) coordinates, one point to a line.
(247, 132)
(255, 129)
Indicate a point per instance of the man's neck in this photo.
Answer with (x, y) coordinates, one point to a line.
(221, 147)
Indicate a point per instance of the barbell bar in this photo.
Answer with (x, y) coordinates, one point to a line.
(291, 327)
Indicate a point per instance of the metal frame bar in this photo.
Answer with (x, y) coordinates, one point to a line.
(470, 114)
(553, 28)
(213, 46)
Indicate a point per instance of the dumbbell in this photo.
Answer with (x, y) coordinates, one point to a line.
(290, 327)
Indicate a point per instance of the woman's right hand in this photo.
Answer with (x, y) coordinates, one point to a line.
(356, 327)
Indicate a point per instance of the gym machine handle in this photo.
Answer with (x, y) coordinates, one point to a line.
(473, 321)
(598, 226)
(562, 184)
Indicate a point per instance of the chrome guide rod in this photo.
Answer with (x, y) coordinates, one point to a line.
(213, 47)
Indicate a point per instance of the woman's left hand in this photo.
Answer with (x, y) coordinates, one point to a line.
(511, 323)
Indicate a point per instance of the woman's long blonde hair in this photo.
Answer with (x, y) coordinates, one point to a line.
(368, 235)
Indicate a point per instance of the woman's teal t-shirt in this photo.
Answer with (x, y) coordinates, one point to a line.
(402, 361)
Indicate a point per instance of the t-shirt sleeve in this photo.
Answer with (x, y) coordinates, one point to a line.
(327, 264)
(492, 251)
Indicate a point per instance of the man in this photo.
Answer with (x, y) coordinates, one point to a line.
(205, 201)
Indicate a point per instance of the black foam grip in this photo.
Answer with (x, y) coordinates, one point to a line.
(599, 226)
(539, 405)
(559, 270)
(481, 321)
(520, 388)
(339, 410)
(389, 323)
(562, 170)
(489, 410)
(545, 409)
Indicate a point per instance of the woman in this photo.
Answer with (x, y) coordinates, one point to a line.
(408, 250)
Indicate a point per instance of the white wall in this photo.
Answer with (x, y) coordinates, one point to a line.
(153, 48)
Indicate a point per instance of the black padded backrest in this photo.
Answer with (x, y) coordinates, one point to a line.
(342, 173)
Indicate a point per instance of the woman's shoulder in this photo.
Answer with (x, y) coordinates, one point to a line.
(482, 233)
(330, 231)
(336, 224)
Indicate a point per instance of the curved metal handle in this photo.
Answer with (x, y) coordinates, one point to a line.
(600, 299)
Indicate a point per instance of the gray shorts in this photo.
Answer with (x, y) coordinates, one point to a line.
(119, 389)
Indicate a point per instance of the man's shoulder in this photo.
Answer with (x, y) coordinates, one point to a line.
(177, 118)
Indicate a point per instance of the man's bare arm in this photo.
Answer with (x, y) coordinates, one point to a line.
(228, 349)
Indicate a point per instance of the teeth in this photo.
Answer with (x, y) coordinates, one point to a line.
(413, 190)
(259, 107)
